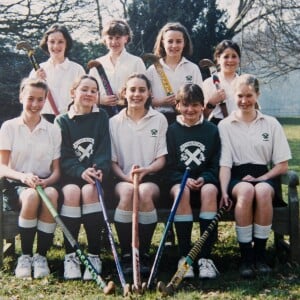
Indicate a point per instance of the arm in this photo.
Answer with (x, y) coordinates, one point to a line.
(224, 176)
(54, 177)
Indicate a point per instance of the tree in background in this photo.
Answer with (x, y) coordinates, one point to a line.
(204, 21)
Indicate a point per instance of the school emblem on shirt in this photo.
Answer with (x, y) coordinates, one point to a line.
(265, 136)
(84, 148)
(189, 78)
(192, 152)
(154, 132)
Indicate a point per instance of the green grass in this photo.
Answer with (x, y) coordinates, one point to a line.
(283, 284)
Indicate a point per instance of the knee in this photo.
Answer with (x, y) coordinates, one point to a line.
(71, 194)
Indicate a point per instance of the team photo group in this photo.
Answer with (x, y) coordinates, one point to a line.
(137, 134)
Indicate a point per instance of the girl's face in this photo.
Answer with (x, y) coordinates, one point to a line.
(116, 43)
(57, 45)
(173, 43)
(229, 61)
(246, 97)
(33, 100)
(136, 93)
(191, 112)
(85, 95)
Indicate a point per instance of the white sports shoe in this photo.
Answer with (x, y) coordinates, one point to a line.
(96, 262)
(207, 269)
(23, 269)
(190, 272)
(72, 267)
(40, 266)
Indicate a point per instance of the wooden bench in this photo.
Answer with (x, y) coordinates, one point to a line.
(286, 223)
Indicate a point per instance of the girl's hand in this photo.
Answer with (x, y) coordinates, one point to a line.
(225, 201)
(169, 100)
(41, 74)
(111, 100)
(30, 179)
(195, 184)
(217, 97)
(42, 182)
(90, 174)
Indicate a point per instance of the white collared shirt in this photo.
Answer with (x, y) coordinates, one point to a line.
(117, 74)
(209, 89)
(60, 79)
(185, 72)
(260, 142)
(31, 151)
(137, 143)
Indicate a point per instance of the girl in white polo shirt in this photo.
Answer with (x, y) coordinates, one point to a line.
(29, 156)
(58, 70)
(227, 56)
(138, 138)
(117, 63)
(172, 45)
(251, 141)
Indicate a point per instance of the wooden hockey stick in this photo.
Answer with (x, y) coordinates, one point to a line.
(125, 286)
(137, 281)
(108, 89)
(190, 258)
(107, 288)
(27, 47)
(159, 68)
(161, 247)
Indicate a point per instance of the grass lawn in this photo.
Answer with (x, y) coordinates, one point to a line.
(283, 284)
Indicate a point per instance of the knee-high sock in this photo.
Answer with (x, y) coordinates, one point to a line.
(92, 220)
(147, 224)
(45, 234)
(183, 226)
(205, 220)
(71, 217)
(27, 229)
(123, 224)
(261, 234)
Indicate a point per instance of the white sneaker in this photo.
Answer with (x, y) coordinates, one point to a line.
(40, 266)
(96, 262)
(72, 267)
(207, 269)
(23, 269)
(190, 272)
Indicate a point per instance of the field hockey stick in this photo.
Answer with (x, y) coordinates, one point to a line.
(126, 287)
(137, 281)
(107, 288)
(191, 257)
(149, 57)
(30, 52)
(107, 87)
(168, 225)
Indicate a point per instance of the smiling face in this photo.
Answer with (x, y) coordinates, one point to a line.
(173, 43)
(229, 61)
(246, 97)
(116, 43)
(85, 95)
(33, 100)
(137, 93)
(57, 45)
(191, 111)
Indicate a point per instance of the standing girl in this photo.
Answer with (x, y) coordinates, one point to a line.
(117, 63)
(251, 141)
(29, 156)
(219, 101)
(172, 45)
(58, 70)
(85, 158)
(138, 137)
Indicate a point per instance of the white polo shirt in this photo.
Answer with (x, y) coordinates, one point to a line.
(185, 72)
(137, 143)
(262, 142)
(209, 88)
(117, 74)
(31, 151)
(60, 79)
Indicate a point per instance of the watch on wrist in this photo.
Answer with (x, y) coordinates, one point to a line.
(210, 106)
